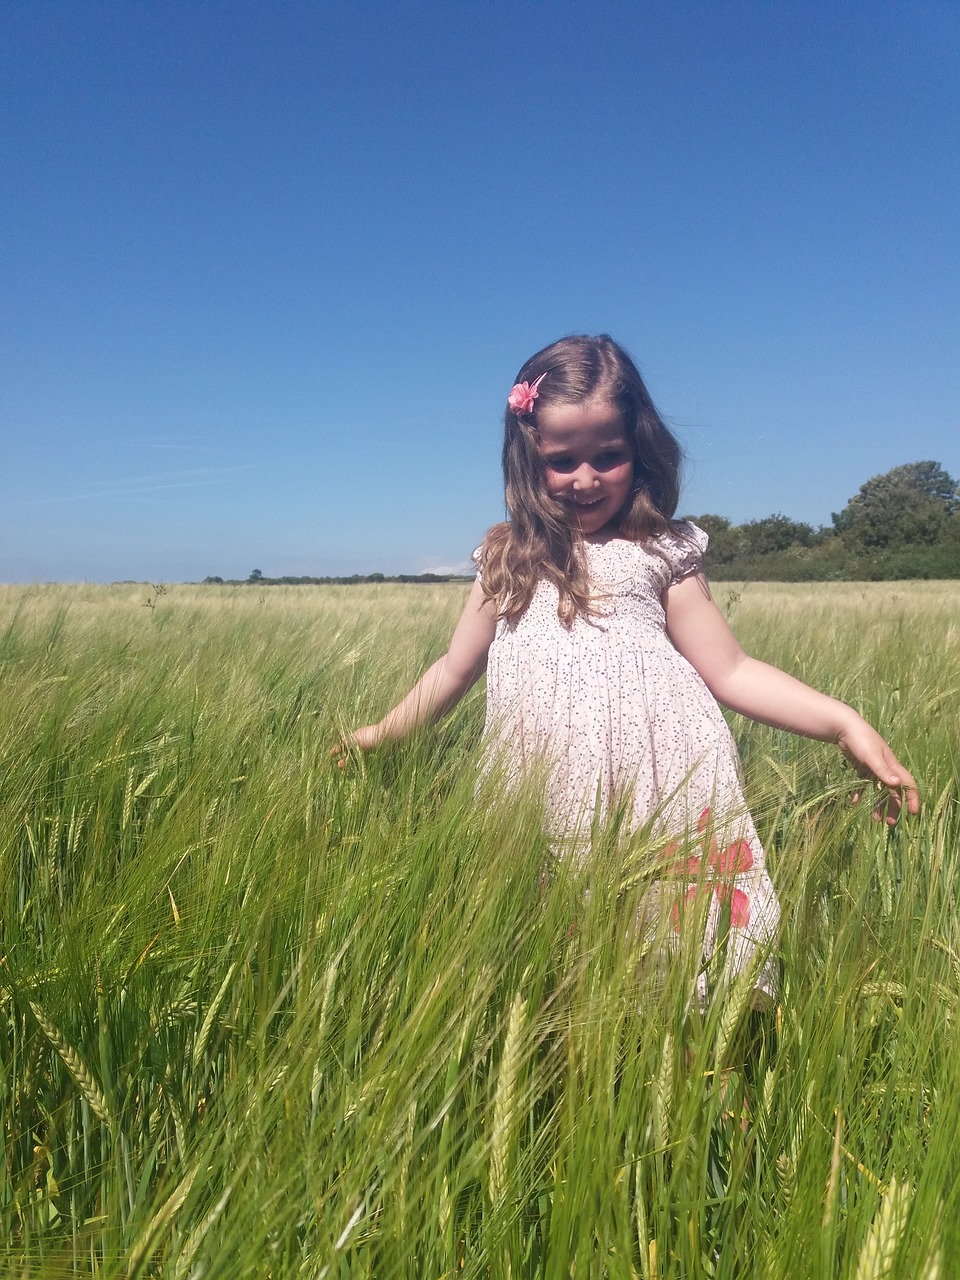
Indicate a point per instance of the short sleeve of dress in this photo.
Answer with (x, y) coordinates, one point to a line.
(683, 547)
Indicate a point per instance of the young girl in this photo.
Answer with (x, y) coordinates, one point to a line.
(605, 655)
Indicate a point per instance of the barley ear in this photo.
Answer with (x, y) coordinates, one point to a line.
(80, 1073)
(886, 1231)
(505, 1103)
(663, 1102)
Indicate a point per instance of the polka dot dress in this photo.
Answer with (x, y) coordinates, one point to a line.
(614, 716)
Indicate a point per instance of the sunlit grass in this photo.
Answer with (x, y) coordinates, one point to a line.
(260, 1017)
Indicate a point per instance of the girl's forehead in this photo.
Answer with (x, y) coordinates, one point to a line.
(583, 422)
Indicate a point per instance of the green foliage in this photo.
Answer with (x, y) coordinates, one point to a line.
(726, 543)
(775, 533)
(904, 524)
(261, 1017)
(907, 506)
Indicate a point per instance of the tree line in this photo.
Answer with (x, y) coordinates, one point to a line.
(259, 579)
(902, 524)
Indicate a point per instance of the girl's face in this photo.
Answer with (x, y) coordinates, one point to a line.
(588, 460)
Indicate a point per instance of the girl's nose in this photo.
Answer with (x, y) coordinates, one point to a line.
(585, 478)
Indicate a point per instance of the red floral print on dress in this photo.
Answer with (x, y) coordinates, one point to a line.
(724, 864)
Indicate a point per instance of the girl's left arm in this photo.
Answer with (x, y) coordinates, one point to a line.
(699, 631)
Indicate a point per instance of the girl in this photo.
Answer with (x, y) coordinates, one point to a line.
(605, 655)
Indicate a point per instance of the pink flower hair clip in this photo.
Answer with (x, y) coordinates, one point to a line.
(523, 394)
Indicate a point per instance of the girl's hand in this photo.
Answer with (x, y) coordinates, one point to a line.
(365, 738)
(440, 688)
(872, 758)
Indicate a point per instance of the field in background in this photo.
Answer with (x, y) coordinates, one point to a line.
(262, 1018)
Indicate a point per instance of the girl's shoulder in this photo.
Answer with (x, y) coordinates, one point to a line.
(682, 546)
(494, 539)
(678, 550)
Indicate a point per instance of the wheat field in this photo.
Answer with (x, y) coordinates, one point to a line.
(263, 1018)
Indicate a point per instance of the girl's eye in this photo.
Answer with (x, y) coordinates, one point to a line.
(604, 461)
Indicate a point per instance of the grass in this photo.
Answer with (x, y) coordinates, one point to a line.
(262, 1018)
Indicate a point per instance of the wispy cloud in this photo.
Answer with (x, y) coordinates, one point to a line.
(180, 445)
(130, 486)
(462, 566)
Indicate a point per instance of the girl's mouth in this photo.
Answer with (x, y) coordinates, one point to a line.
(585, 504)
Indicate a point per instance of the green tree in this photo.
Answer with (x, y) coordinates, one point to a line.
(775, 533)
(908, 506)
(725, 542)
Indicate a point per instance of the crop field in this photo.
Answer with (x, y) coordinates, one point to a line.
(260, 1017)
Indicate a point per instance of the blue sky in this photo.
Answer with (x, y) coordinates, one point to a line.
(267, 270)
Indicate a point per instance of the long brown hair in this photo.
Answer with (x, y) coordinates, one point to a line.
(539, 541)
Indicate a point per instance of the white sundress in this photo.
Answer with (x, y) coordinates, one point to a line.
(614, 715)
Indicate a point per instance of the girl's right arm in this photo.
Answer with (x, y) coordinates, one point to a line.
(442, 686)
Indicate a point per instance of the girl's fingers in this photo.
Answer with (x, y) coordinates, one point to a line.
(908, 793)
(900, 789)
(363, 739)
(872, 758)
(895, 792)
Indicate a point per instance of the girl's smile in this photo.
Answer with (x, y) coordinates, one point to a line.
(588, 460)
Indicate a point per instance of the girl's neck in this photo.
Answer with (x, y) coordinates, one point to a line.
(609, 533)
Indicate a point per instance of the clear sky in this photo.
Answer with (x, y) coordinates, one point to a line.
(267, 270)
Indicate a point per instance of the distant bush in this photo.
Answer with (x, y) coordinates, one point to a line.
(904, 524)
(257, 579)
